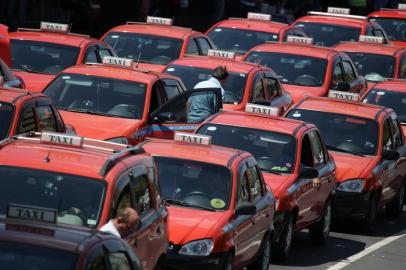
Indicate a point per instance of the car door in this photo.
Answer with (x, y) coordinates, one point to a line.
(357, 83)
(48, 117)
(119, 257)
(276, 95)
(5, 50)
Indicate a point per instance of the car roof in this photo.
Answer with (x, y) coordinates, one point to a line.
(213, 62)
(323, 104)
(396, 85)
(334, 20)
(258, 121)
(389, 13)
(213, 154)
(69, 39)
(386, 49)
(295, 48)
(12, 95)
(254, 25)
(156, 30)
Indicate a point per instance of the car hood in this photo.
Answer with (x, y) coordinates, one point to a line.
(299, 92)
(276, 182)
(34, 81)
(96, 126)
(345, 168)
(152, 67)
(188, 224)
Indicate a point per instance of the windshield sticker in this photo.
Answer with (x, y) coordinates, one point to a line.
(381, 93)
(115, 36)
(66, 77)
(218, 30)
(280, 169)
(296, 114)
(242, 75)
(170, 69)
(217, 203)
(212, 128)
(274, 36)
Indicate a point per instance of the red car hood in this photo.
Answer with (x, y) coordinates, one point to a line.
(275, 182)
(187, 224)
(96, 126)
(34, 81)
(350, 166)
(299, 92)
(152, 67)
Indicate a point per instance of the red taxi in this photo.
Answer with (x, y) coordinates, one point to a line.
(30, 239)
(246, 82)
(294, 162)
(117, 102)
(220, 211)
(155, 43)
(392, 94)
(22, 111)
(87, 182)
(375, 60)
(368, 147)
(240, 35)
(37, 55)
(305, 69)
(329, 28)
(394, 23)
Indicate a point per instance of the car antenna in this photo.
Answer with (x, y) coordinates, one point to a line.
(138, 59)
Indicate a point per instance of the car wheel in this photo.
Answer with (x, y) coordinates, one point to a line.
(370, 217)
(320, 231)
(228, 262)
(281, 249)
(395, 207)
(262, 263)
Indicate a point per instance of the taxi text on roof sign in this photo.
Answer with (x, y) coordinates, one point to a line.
(159, 20)
(192, 138)
(261, 109)
(300, 40)
(371, 39)
(336, 10)
(63, 139)
(401, 6)
(118, 61)
(222, 54)
(31, 213)
(259, 16)
(54, 27)
(343, 95)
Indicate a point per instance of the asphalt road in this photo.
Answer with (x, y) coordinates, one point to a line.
(351, 249)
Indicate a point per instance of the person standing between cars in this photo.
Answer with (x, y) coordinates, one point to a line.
(202, 105)
(126, 221)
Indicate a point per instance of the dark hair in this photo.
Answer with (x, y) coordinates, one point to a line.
(220, 73)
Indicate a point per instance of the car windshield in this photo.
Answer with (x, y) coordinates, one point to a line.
(342, 132)
(292, 68)
(6, 116)
(329, 34)
(392, 99)
(147, 48)
(239, 40)
(23, 256)
(374, 67)
(77, 199)
(195, 184)
(42, 57)
(395, 28)
(233, 89)
(274, 151)
(98, 95)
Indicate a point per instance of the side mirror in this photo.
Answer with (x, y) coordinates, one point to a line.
(342, 86)
(245, 209)
(308, 173)
(390, 155)
(165, 117)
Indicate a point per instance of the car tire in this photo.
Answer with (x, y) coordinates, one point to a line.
(395, 207)
(319, 232)
(368, 223)
(281, 249)
(228, 262)
(264, 257)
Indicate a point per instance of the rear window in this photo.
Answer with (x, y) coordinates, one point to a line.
(6, 116)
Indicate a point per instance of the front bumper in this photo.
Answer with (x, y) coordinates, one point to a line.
(348, 205)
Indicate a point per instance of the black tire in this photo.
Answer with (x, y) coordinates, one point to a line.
(281, 249)
(319, 232)
(228, 262)
(368, 223)
(264, 258)
(395, 207)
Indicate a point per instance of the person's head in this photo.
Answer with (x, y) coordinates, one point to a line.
(127, 221)
(221, 74)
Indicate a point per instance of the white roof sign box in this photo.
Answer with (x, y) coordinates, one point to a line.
(192, 138)
(343, 95)
(261, 109)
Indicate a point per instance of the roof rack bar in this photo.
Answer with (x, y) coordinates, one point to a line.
(337, 15)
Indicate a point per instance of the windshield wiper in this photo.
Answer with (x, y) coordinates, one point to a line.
(89, 112)
(30, 70)
(182, 203)
(330, 147)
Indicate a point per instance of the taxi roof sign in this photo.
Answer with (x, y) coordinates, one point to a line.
(371, 39)
(159, 20)
(299, 40)
(401, 6)
(336, 10)
(259, 16)
(32, 213)
(54, 27)
(221, 54)
(261, 109)
(344, 95)
(58, 138)
(192, 138)
(118, 61)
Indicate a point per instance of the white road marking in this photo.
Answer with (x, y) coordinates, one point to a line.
(365, 252)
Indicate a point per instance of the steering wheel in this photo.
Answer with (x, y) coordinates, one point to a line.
(197, 198)
(306, 80)
(231, 96)
(266, 163)
(350, 146)
(161, 59)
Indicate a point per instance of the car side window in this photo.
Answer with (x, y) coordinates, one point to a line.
(142, 195)
(243, 189)
(104, 51)
(337, 73)
(171, 88)
(91, 55)
(256, 187)
(27, 121)
(124, 200)
(306, 156)
(204, 45)
(119, 261)
(192, 47)
(319, 157)
(46, 118)
(96, 260)
(349, 73)
(258, 92)
(396, 131)
(378, 33)
(156, 97)
(271, 87)
(387, 136)
(402, 71)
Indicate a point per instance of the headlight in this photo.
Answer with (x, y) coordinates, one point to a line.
(122, 140)
(354, 185)
(197, 248)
